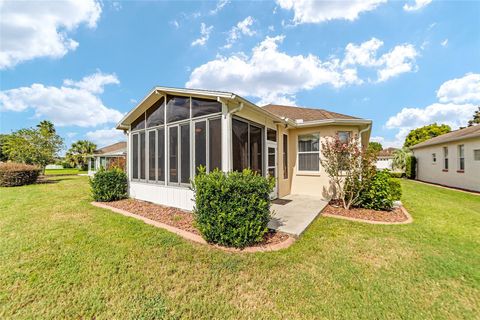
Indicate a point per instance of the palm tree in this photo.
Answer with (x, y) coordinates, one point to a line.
(79, 152)
(399, 158)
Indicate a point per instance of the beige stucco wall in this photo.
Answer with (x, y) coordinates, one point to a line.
(429, 171)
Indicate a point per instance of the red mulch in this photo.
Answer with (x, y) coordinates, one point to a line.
(179, 218)
(396, 215)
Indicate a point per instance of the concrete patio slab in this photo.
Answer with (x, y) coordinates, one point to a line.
(294, 213)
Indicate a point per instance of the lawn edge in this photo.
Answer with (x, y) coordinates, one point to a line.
(405, 212)
(194, 237)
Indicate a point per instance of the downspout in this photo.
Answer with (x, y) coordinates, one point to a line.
(362, 131)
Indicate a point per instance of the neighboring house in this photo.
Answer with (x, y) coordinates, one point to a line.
(385, 159)
(452, 159)
(173, 131)
(112, 155)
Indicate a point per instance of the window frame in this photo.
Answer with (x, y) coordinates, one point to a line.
(461, 158)
(308, 172)
(476, 154)
(445, 158)
(434, 158)
(285, 156)
(263, 139)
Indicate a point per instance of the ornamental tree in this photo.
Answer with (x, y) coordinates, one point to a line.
(349, 167)
(424, 133)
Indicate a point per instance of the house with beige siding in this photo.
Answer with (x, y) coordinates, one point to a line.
(452, 159)
(173, 131)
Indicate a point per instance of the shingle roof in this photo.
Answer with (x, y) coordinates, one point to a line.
(465, 133)
(119, 146)
(387, 152)
(306, 114)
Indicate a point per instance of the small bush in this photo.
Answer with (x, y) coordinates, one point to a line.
(381, 192)
(396, 175)
(17, 174)
(232, 209)
(109, 185)
(410, 166)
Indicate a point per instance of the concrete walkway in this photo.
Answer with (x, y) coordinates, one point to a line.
(296, 213)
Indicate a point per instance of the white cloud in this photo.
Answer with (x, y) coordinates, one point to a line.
(444, 43)
(72, 104)
(33, 29)
(242, 28)
(105, 137)
(204, 35)
(269, 73)
(458, 98)
(311, 11)
(417, 5)
(461, 90)
(399, 60)
(93, 83)
(220, 5)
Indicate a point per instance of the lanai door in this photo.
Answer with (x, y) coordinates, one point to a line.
(272, 159)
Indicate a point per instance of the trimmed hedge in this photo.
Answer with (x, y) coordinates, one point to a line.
(17, 174)
(232, 209)
(410, 166)
(395, 174)
(109, 185)
(381, 192)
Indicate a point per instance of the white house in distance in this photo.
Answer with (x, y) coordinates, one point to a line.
(173, 131)
(385, 159)
(111, 155)
(452, 159)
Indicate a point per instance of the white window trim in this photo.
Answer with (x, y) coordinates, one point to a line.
(445, 157)
(308, 172)
(434, 158)
(459, 158)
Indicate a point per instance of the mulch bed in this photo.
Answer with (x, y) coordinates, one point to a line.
(335, 208)
(179, 218)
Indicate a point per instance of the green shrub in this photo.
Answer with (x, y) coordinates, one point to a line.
(17, 174)
(381, 192)
(232, 209)
(109, 185)
(410, 166)
(395, 174)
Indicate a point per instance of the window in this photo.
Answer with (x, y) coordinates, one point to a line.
(135, 156)
(476, 155)
(247, 145)
(215, 144)
(309, 152)
(256, 150)
(240, 145)
(139, 124)
(151, 155)
(344, 136)
(285, 156)
(142, 155)
(155, 114)
(185, 153)
(271, 135)
(201, 107)
(461, 157)
(200, 144)
(445, 158)
(434, 157)
(178, 108)
(161, 154)
(173, 154)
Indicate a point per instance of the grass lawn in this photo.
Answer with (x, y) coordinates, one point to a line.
(67, 171)
(63, 258)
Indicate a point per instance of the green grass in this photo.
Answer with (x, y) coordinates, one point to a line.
(63, 258)
(50, 172)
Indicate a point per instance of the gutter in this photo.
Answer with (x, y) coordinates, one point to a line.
(362, 131)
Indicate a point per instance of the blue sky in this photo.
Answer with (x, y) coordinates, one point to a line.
(83, 64)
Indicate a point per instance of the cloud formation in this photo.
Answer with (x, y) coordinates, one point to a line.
(241, 28)
(275, 76)
(311, 11)
(417, 5)
(204, 35)
(105, 137)
(75, 103)
(461, 90)
(33, 29)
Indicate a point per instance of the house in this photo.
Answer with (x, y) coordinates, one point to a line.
(452, 159)
(111, 155)
(385, 159)
(173, 131)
